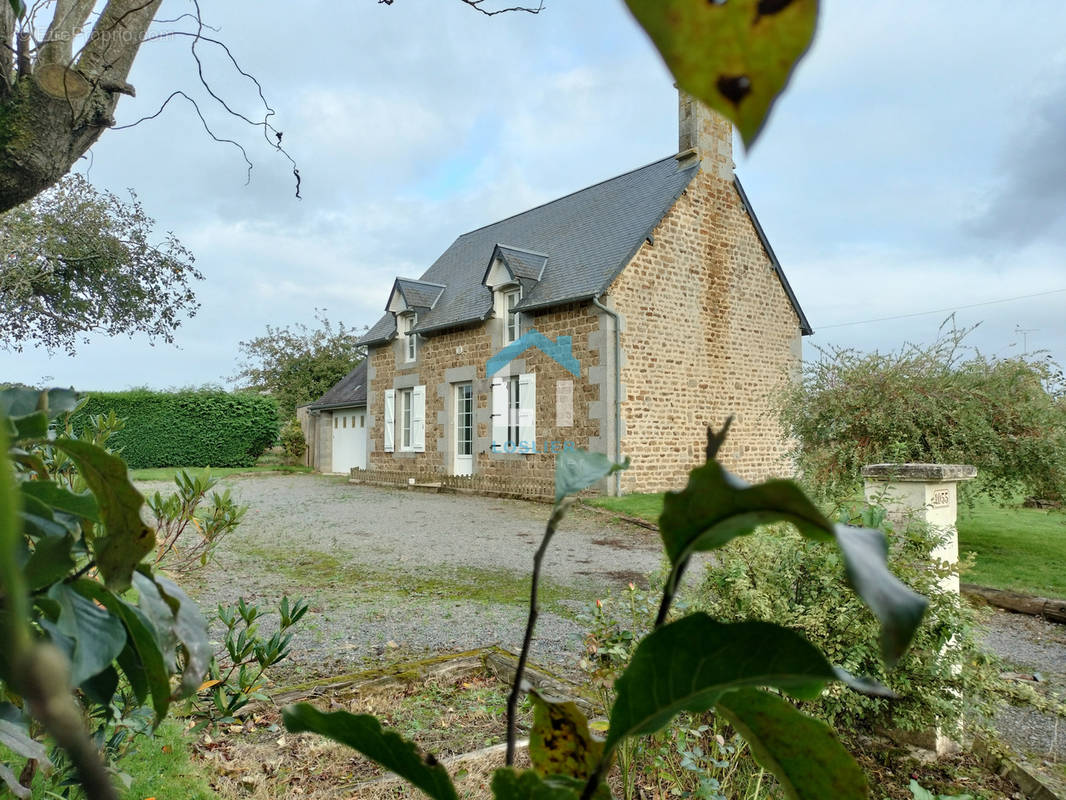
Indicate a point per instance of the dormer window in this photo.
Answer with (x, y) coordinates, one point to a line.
(514, 322)
(410, 345)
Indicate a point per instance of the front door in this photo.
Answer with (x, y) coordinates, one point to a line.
(463, 456)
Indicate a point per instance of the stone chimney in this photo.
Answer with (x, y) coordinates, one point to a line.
(704, 136)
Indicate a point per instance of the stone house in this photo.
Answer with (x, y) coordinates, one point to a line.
(622, 318)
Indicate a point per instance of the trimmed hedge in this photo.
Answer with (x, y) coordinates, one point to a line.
(195, 428)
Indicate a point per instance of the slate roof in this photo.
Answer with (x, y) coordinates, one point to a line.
(569, 249)
(587, 237)
(419, 294)
(349, 391)
(522, 263)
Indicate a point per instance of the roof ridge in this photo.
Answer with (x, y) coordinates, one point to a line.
(427, 283)
(564, 196)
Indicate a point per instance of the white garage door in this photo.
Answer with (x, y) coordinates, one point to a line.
(349, 439)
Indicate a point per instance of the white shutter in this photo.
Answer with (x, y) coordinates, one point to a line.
(390, 419)
(418, 419)
(527, 412)
(499, 414)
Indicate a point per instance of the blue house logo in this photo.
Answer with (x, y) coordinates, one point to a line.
(560, 351)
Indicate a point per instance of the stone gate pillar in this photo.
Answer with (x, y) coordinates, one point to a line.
(927, 493)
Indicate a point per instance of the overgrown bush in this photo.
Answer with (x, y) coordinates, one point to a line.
(944, 403)
(779, 577)
(191, 428)
(293, 442)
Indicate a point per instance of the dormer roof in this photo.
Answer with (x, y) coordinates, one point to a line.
(521, 264)
(412, 295)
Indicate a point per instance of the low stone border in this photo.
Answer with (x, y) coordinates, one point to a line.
(1032, 786)
(1049, 609)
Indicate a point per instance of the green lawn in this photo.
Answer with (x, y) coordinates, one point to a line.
(1022, 549)
(168, 473)
(159, 766)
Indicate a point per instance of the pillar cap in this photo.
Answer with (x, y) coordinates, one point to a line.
(926, 473)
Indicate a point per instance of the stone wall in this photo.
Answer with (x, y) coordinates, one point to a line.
(446, 359)
(317, 427)
(708, 331)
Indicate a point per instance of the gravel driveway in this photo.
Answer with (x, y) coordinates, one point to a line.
(390, 571)
(1031, 645)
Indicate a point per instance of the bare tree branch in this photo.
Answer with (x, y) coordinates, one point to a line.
(477, 6)
(70, 17)
(203, 120)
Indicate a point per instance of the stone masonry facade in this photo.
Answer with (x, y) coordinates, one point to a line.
(459, 356)
(708, 332)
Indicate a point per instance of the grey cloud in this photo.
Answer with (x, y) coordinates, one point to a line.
(1029, 199)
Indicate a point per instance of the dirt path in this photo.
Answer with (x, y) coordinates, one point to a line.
(402, 572)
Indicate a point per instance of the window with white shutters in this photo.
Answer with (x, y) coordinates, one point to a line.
(514, 424)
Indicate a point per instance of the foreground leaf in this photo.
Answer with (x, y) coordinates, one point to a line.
(30, 426)
(15, 739)
(51, 561)
(18, 402)
(58, 497)
(735, 56)
(97, 635)
(688, 664)
(717, 506)
(510, 784)
(151, 669)
(803, 753)
(127, 540)
(12, 782)
(364, 734)
(576, 470)
(560, 742)
(178, 625)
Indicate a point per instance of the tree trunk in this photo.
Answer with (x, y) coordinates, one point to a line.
(50, 116)
(41, 137)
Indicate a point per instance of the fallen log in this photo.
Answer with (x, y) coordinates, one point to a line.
(1049, 609)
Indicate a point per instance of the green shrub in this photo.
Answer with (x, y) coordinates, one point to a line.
(939, 403)
(191, 428)
(293, 442)
(780, 577)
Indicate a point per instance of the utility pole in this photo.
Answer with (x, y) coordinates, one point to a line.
(1025, 336)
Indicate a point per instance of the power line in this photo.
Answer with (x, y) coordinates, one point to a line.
(943, 310)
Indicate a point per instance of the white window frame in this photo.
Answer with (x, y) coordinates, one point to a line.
(404, 403)
(410, 345)
(411, 420)
(513, 319)
(514, 402)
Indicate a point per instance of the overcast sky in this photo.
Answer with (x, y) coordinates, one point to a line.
(916, 163)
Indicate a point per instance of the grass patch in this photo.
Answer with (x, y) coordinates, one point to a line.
(1021, 549)
(159, 766)
(314, 570)
(162, 766)
(645, 506)
(168, 473)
